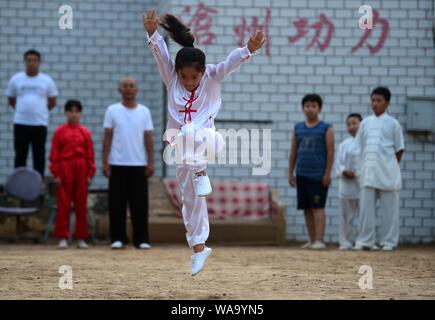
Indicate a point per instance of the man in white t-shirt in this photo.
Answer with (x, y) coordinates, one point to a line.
(128, 161)
(32, 94)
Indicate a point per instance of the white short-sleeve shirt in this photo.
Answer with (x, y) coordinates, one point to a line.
(379, 139)
(31, 95)
(129, 126)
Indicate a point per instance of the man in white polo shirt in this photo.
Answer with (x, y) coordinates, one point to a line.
(128, 161)
(32, 94)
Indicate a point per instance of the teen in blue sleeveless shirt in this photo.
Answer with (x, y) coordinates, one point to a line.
(312, 154)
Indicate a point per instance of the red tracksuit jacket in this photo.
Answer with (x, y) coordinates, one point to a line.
(72, 161)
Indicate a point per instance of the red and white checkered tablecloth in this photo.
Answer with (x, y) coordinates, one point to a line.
(231, 199)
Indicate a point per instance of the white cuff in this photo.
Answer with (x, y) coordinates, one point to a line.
(155, 38)
(246, 53)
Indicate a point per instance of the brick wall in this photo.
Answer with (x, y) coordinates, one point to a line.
(107, 42)
(270, 87)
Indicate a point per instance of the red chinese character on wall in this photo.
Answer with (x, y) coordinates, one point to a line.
(303, 28)
(201, 22)
(385, 26)
(243, 29)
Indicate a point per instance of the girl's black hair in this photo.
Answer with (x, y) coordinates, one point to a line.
(73, 103)
(188, 56)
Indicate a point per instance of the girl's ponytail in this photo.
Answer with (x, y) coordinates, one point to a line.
(177, 30)
(180, 33)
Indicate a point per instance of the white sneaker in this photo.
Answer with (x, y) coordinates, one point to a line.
(144, 246)
(344, 247)
(117, 245)
(198, 260)
(306, 245)
(357, 248)
(318, 245)
(387, 248)
(202, 185)
(63, 244)
(81, 244)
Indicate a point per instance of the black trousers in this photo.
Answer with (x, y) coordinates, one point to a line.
(128, 186)
(30, 135)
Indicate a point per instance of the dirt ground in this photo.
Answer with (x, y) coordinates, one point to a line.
(232, 272)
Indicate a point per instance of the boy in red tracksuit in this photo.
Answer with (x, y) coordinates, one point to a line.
(72, 165)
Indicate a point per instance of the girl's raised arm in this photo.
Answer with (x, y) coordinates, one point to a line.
(158, 47)
(237, 57)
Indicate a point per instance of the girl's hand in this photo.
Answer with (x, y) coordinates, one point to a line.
(89, 181)
(150, 21)
(57, 181)
(256, 41)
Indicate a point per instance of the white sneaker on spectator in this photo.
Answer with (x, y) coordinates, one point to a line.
(81, 244)
(387, 248)
(144, 246)
(198, 260)
(306, 245)
(117, 245)
(63, 244)
(344, 247)
(318, 245)
(202, 185)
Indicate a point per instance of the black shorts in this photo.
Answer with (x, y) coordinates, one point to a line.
(311, 193)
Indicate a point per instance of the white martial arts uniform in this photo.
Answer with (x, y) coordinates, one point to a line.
(348, 189)
(194, 113)
(379, 139)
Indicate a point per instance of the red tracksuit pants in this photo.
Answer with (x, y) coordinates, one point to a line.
(73, 190)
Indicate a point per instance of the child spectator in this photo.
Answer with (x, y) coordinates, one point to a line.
(312, 154)
(72, 165)
(380, 140)
(346, 170)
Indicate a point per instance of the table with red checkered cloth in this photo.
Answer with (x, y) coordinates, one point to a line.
(231, 199)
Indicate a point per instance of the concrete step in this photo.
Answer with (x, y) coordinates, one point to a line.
(172, 230)
(164, 225)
